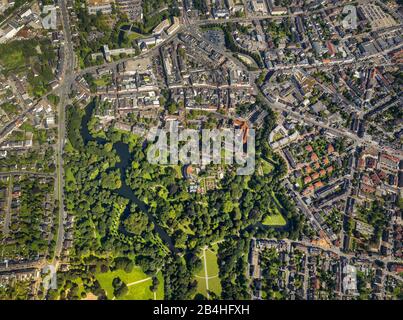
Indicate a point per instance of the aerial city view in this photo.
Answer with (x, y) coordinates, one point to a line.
(201, 150)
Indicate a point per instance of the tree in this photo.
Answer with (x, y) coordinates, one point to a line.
(228, 206)
(123, 263)
(136, 222)
(120, 288)
(172, 108)
(155, 283)
(111, 180)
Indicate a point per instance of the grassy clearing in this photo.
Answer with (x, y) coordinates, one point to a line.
(214, 285)
(134, 35)
(276, 295)
(270, 160)
(267, 167)
(300, 183)
(277, 136)
(80, 284)
(70, 176)
(13, 60)
(274, 220)
(103, 81)
(212, 266)
(201, 286)
(209, 261)
(141, 291)
(137, 291)
(247, 60)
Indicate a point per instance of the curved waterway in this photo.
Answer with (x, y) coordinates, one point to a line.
(122, 149)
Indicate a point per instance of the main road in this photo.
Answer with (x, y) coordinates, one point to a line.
(64, 88)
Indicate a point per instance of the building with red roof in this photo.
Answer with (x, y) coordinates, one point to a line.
(370, 163)
(315, 176)
(307, 180)
(330, 48)
(318, 184)
(367, 189)
(308, 190)
(375, 179)
(309, 148)
(388, 162)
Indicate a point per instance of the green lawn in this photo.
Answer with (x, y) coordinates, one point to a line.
(300, 183)
(103, 81)
(212, 266)
(277, 136)
(134, 35)
(13, 60)
(201, 286)
(267, 167)
(274, 220)
(139, 291)
(70, 176)
(247, 60)
(79, 282)
(276, 295)
(214, 283)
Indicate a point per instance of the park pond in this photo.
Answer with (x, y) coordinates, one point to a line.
(122, 149)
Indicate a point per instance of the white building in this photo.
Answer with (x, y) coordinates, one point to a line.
(103, 6)
(163, 25)
(9, 32)
(175, 26)
(259, 6)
